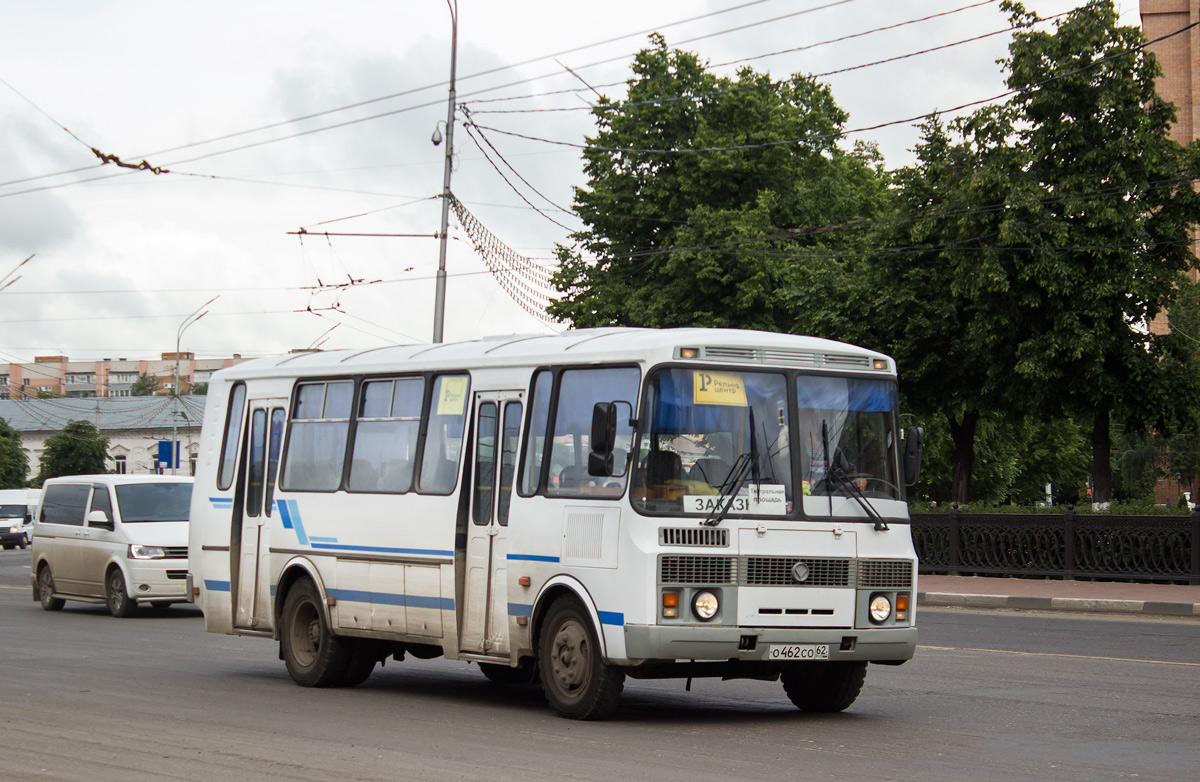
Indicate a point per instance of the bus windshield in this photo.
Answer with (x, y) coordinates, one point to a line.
(847, 435)
(709, 433)
(13, 511)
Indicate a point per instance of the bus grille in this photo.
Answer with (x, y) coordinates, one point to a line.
(693, 536)
(884, 574)
(681, 569)
(779, 571)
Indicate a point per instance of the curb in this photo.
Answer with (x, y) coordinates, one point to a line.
(1075, 604)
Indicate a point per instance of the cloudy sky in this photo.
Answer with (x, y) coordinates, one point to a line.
(275, 116)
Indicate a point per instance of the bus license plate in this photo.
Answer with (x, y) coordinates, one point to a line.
(798, 652)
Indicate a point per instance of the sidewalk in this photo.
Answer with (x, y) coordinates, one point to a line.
(1057, 595)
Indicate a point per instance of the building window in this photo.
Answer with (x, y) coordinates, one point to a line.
(119, 466)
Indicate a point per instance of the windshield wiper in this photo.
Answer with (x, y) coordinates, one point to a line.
(836, 472)
(729, 490)
(745, 466)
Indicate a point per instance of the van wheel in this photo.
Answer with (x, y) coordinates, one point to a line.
(119, 603)
(577, 683)
(46, 596)
(824, 687)
(314, 656)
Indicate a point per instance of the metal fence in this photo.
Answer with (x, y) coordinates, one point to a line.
(1070, 545)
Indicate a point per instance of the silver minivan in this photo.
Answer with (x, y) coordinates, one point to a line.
(116, 539)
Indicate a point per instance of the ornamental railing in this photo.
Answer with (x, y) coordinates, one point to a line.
(1068, 545)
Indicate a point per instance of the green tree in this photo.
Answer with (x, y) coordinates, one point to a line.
(199, 389)
(1109, 241)
(723, 237)
(1048, 232)
(77, 450)
(145, 385)
(14, 464)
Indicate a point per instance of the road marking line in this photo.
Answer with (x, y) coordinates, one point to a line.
(3, 586)
(1053, 654)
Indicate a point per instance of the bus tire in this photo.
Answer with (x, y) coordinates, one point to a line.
(577, 683)
(524, 673)
(46, 596)
(824, 687)
(360, 662)
(314, 656)
(120, 604)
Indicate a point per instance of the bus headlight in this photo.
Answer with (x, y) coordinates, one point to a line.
(881, 608)
(705, 605)
(146, 552)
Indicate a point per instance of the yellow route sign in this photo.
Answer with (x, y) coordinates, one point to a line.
(718, 388)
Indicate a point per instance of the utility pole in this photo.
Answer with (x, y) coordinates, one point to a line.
(439, 301)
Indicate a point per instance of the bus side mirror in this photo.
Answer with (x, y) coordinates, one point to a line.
(914, 446)
(604, 439)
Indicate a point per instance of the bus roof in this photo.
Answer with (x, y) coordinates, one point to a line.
(582, 346)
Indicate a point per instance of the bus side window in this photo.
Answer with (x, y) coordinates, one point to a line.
(233, 424)
(444, 434)
(535, 440)
(317, 444)
(579, 391)
(385, 435)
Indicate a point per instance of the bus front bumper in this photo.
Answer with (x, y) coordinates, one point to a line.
(654, 642)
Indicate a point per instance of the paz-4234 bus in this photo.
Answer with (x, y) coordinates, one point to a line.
(565, 510)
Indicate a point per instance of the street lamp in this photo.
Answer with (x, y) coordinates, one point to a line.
(439, 297)
(189, 320)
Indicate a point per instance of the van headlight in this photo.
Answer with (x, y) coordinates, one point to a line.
(146, 552)
(880, 608)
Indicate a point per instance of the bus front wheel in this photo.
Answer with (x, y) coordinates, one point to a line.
(577, 683)
(824, 687)
(313, 655)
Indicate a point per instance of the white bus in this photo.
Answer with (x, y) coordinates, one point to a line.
(568, 509)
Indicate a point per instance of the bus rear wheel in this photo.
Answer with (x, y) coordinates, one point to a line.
(314, 656)
(577, 683)
(824, 687)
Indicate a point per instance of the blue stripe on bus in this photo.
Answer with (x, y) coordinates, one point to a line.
(612, 618)
(388, 598)
(221, 502)
(531, 558)
(323, 540)
(382, 550)
(606, 617)
(289, 512)
(216, 586)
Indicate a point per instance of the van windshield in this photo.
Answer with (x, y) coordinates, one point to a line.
(154, 501)
(12, 511)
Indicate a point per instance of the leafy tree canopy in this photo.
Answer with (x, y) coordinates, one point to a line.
(14, 464)
(77, 450)
(702, 196)
(145, 385)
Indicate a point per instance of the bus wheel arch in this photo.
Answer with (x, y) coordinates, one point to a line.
(563, 587)
(292, 572)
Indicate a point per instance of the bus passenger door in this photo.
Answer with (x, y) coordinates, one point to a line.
(264, 439)
(484, 619)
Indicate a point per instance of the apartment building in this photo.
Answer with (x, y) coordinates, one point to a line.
(60, 376)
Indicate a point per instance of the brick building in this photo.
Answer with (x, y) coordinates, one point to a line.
(108, 377)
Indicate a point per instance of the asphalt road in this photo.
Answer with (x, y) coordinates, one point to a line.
(991, 695)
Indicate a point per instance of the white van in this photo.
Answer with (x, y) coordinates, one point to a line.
(17, 510)
(115, 539)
